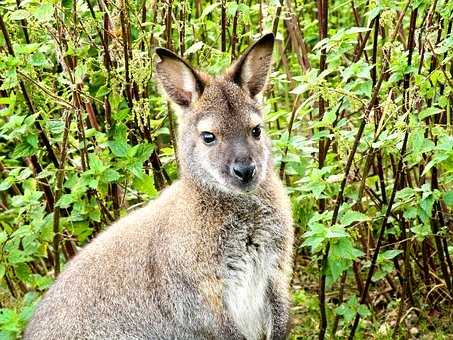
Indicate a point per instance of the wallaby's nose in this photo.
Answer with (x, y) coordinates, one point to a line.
(244, 172)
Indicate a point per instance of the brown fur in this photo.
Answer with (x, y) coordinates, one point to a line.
(207, 259)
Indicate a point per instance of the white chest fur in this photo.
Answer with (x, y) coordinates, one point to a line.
(245, 294)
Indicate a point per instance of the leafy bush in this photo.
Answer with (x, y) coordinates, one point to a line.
(359, 109)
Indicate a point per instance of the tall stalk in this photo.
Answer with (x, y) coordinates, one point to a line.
(323, 22)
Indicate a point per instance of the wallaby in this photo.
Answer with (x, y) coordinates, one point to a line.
(211, 257)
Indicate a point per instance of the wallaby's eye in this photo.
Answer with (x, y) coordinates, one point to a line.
(256, 131)
(208, 138)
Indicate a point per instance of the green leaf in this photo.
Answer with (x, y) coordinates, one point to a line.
(231, 8)
(119, 147)
(348, 309)
(448, 198)
(300, 89)
(244, 9)
(426, 204)
(336, 231)
(38, 59)
(43, 13)
(352, 216)
(55, 126)
(208, 9)
(354, 30)
(313, 242)
(80, 72)
(9, 79)
(421, 231)
(24, 174)
(67, 3)
(329, 117)
(21, 269)
(410, 213)
(121, 115)
(96, 164)
(315, 236)
(363, 311)
(428, 112)
(5, 184)
(32, 140)
(335, 268)
(65, 201)
(137, 169)
(142, 152)
(2, 271)
(19, 14)
(145, 184)
(194, 48)
(11, 100)
(23, 150)
(102, 91)
(29, 302)
(373, 13)
(43, 282)
(9, 320)
(316, 228)
(110, 175)
(390, 254)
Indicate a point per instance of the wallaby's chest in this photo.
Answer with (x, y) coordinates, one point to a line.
(250, 255)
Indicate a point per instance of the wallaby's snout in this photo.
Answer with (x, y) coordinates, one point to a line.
(244, 170)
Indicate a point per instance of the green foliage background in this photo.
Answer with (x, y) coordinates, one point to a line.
(359, 108)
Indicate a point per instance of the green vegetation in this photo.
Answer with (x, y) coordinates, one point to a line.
(360, 109)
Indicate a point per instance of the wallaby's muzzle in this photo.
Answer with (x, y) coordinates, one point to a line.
(244, 171)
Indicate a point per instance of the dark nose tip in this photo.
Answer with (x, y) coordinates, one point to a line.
(244, 172)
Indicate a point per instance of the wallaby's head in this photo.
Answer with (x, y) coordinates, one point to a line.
(221, 139)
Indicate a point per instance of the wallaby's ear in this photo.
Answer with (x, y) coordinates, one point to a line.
(252, 68)
(179, 80)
